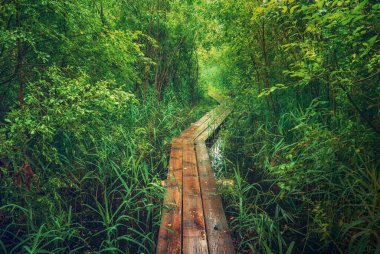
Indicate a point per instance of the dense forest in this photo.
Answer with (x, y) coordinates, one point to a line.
(93, 91)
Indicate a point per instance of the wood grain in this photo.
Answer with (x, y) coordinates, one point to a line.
(218, 235)
(193, 219)
(170, 234)
(194, 231)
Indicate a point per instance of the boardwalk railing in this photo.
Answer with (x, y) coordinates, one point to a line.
(193, 219)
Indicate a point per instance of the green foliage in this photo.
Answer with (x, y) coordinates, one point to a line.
(304, 77)
(95, 187)
(93, 91)
(91, 94)
(57, 111)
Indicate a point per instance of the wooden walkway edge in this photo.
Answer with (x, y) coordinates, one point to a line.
(193, 219)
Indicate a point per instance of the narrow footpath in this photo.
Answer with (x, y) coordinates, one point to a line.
(193, 219)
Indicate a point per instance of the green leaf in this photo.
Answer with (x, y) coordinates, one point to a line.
(320, 3)
(372, 41)
(360, 7)
(376, 7)
(290, 249)
(293, 9)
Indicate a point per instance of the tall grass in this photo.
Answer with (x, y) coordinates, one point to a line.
(101, 193)
(307, 187)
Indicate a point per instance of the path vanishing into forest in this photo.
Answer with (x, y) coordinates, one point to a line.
(193, 219)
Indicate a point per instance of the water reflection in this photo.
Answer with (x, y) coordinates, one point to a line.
(217, 155)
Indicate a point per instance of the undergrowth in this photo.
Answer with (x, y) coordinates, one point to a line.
(304, 187)
(81, 170)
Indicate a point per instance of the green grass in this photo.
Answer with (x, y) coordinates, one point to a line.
(308, 188)
(102, 192)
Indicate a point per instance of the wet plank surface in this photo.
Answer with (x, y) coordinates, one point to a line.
(219, 238)
(193, 219)
(171, 223)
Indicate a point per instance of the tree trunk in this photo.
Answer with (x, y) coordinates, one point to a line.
(269, 98)
(148, 53)
(20, 58)
(266, 68)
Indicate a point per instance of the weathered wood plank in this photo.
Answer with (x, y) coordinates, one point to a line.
(204, 118)
(189, 132)
(207, 132)
(218, 234)
(202, 126)
(170, 234)
(193, 219)
(194, 231)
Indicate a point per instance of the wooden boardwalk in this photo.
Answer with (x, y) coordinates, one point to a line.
(193, 219)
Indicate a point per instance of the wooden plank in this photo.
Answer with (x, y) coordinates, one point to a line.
(194, 232)
(218, 234)
(170, 234)
(189, 132)
(212, 127)
(202, 126)
(204, 118)
(207, 116)
(193, 219)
